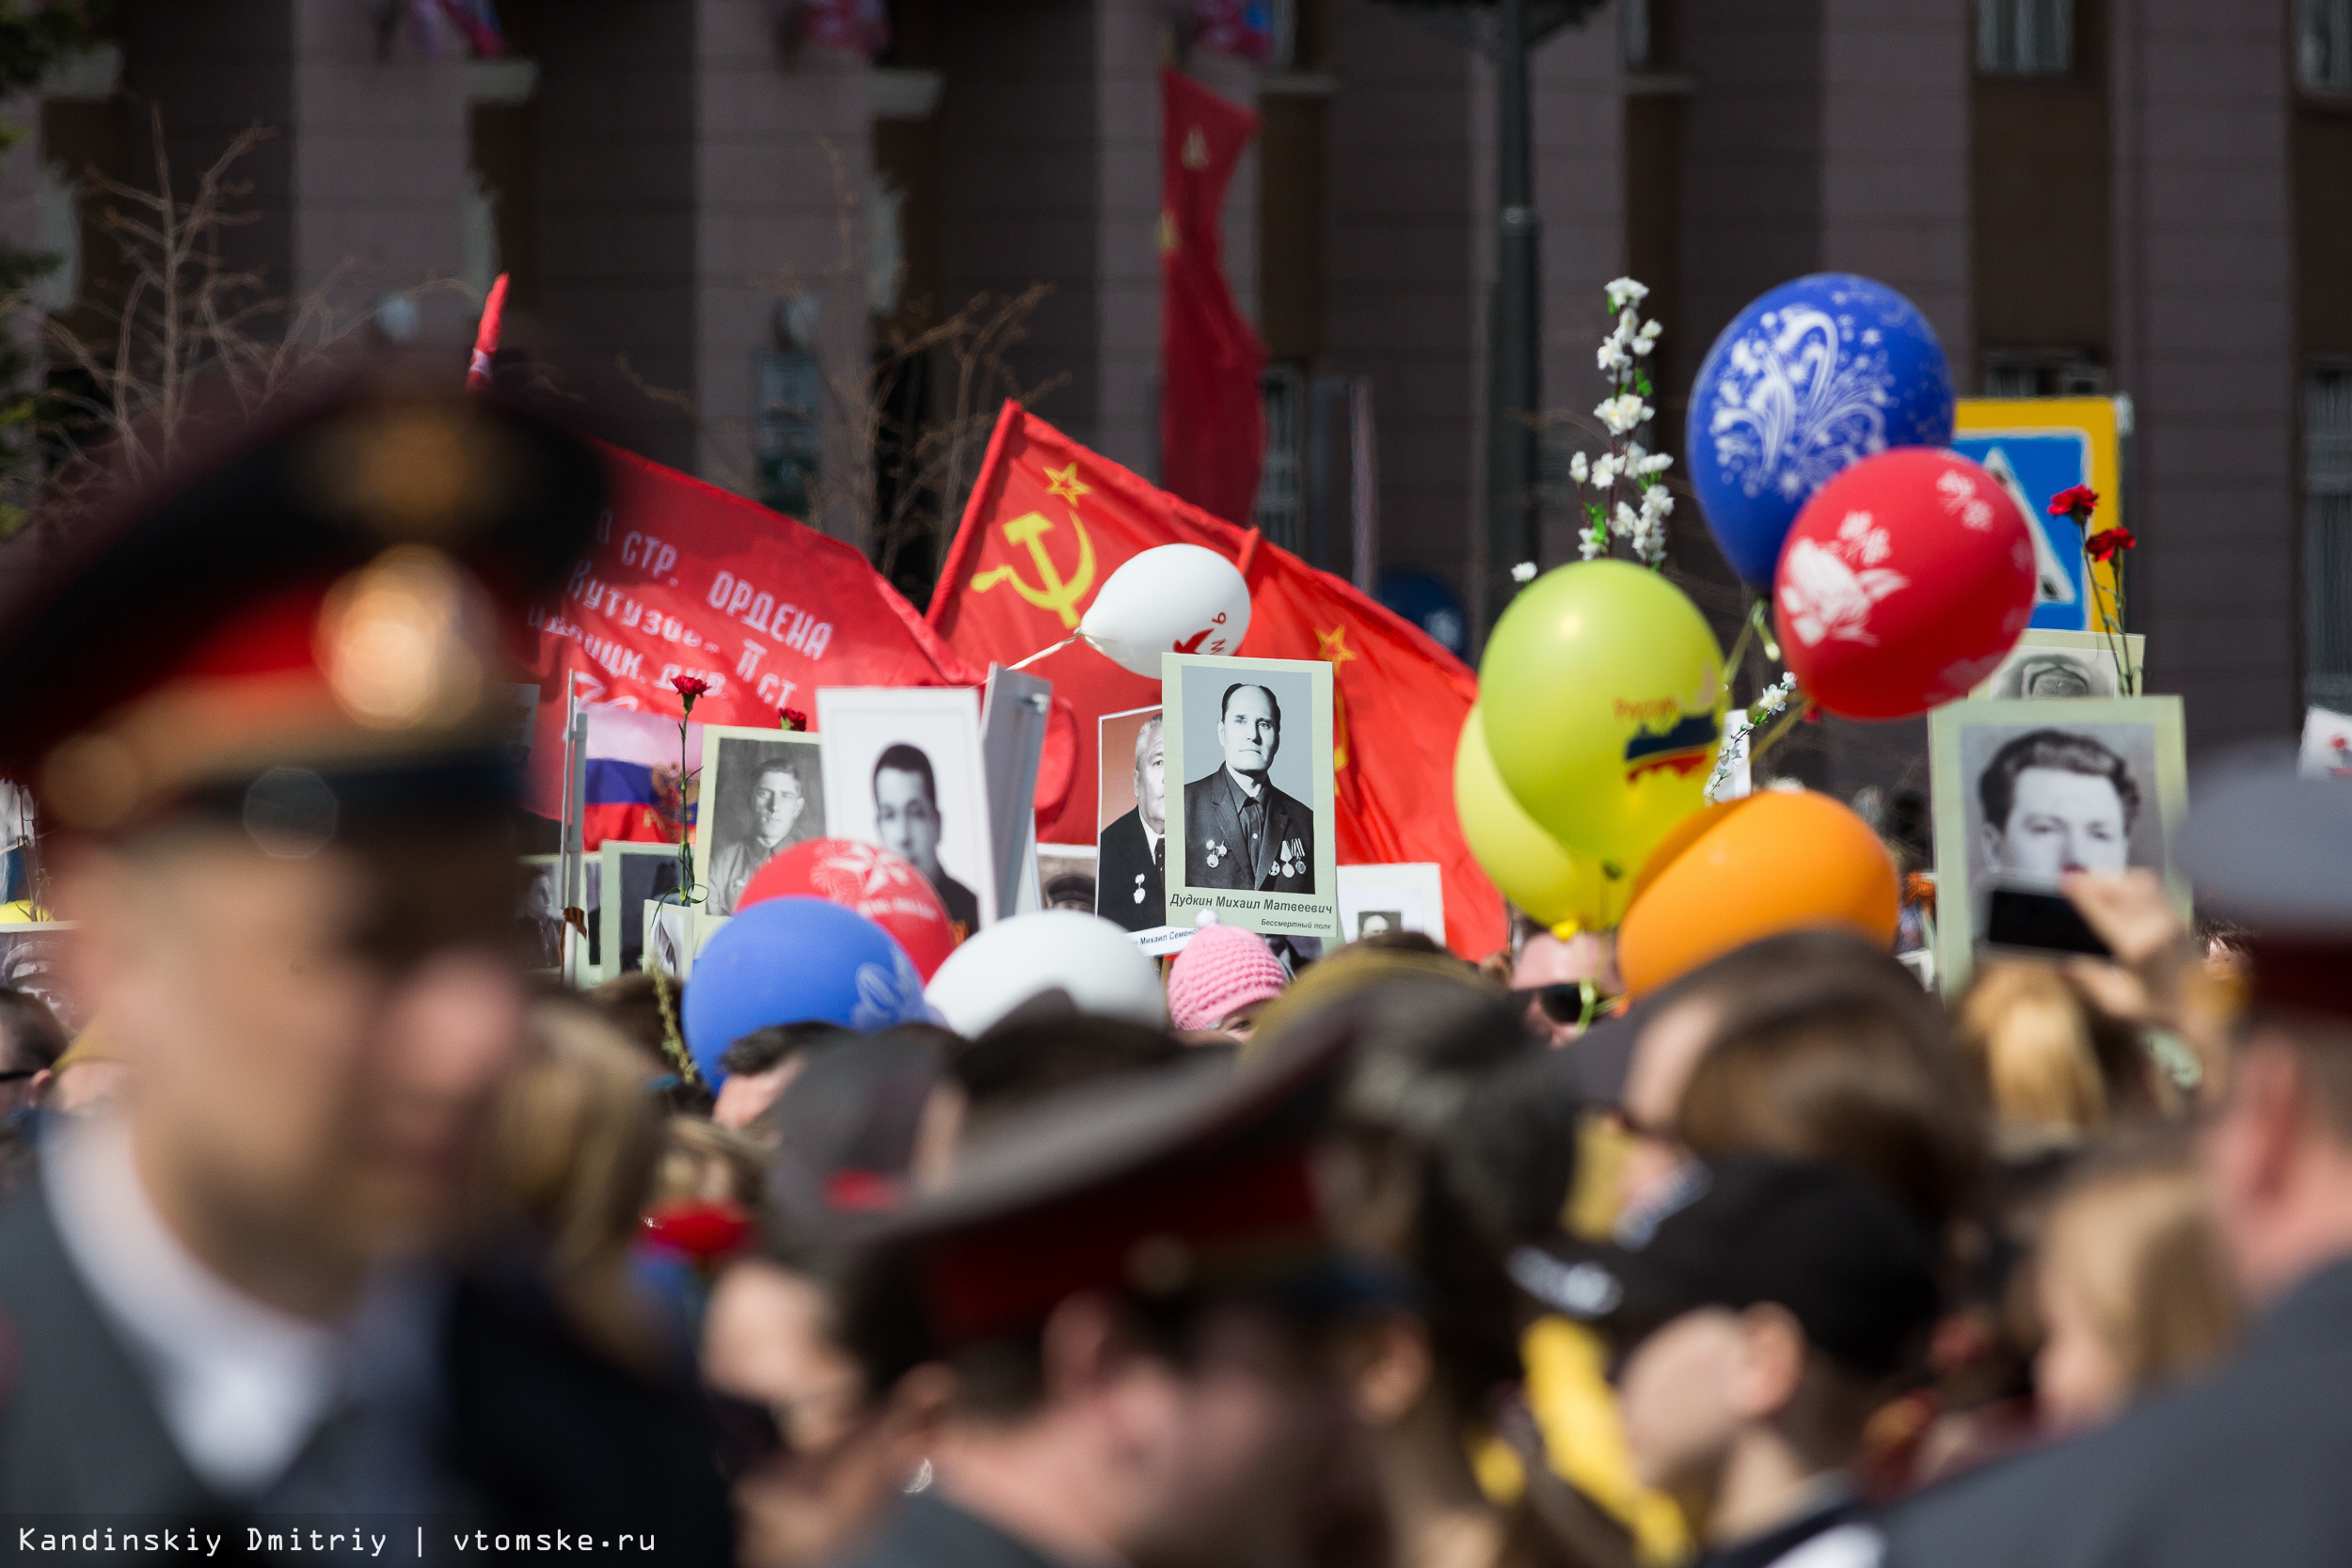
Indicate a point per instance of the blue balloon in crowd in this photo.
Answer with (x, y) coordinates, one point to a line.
(797, 960)
(1430, 603)
(1811, 377)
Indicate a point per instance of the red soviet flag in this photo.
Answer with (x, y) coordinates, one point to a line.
(684, 578)
(1049, 521)
(1211, 427)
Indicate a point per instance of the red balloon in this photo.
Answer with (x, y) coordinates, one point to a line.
(1905, 580)
(885, 888)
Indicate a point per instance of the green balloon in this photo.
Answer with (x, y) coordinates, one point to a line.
(1549, 881)
(1604, 694)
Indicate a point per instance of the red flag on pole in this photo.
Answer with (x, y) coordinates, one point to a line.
(485, 338)
(687, 579)
(1211, 427)
(1049, 521)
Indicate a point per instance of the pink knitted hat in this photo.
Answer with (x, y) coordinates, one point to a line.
(1222, 970)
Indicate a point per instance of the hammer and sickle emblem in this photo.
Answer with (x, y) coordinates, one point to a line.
(1056, 596)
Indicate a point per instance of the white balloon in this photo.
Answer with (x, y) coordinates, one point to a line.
(1174, 598)
(1004, 965)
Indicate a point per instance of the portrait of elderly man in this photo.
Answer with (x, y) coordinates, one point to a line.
(1131, 879)
(773, 818)
(2054, 802)
(907, 823)
(1240, 830)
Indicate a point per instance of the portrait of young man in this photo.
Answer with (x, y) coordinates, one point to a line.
(2027, 793)
(1131, 879)
(907, 823)
(2054, 802)
(765, 799)
(1240, 830)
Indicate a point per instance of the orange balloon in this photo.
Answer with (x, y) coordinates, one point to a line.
(1773, 862)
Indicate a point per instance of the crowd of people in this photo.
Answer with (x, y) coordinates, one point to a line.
(1393, 1258)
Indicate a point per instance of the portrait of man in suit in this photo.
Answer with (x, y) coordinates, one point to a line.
(1131, 877)
(907, 823)
(1240, 830)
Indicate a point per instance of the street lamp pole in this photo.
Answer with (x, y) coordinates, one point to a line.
(1513, 324)
(1507, 32)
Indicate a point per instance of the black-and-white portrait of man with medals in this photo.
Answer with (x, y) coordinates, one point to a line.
(1254, 754)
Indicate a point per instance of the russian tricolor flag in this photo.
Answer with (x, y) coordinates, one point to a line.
(624, 747)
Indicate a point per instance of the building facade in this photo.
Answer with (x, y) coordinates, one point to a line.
(786, 258)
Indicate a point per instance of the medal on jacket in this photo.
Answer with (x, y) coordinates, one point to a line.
(1140, 887)
(1217, 852)
(1294, 857)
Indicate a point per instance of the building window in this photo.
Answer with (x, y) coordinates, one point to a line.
(2043, 373)
(2328, 536)
(2025, 38)
(1281, 498)
(2323, 45)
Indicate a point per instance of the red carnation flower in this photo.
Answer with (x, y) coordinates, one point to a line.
(701, 1231)
(2077, 501)
(2107, 543)
(690, 687)
(793, 719)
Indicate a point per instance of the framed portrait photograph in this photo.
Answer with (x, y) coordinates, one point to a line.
(1406, 896)
(763, 791)
(539, 912)
(1249, 741)
(1065, 877)
(2027, 791)
(2047, 664)
(635, 877)
(902, 770)
(1130, 821)
(31, 959)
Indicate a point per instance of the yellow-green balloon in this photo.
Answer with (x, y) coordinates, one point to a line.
(1553, 883)
(1603, 690)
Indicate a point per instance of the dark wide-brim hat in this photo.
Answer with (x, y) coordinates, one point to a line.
(1184, 1181)
(1854, 1270)
(339, 587)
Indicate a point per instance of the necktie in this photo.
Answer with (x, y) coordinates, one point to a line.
(1253, 834)
(1159, 856)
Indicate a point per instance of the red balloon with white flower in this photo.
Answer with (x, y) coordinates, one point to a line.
(884, 888)
(1905, 580)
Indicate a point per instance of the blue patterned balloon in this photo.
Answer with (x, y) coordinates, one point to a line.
(1813, 375)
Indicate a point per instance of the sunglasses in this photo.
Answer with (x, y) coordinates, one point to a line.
(1577, 1002)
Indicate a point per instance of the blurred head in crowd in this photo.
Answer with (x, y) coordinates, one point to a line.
(1555, 971)
(1760, 1311)
(574, 1146)
(31, 1042)
(2056, 803)
(1070, 890)
(1141, 1356)
(644, 1007)
(1222, 980)
(761, 1065)
(1035, 1054)
(2133, 1286)
(1856, 1075)
(846, 1129)
(262, 711)
(1458, 1144)
(821, 1439)
(1777, 979)
(2048, 1062)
